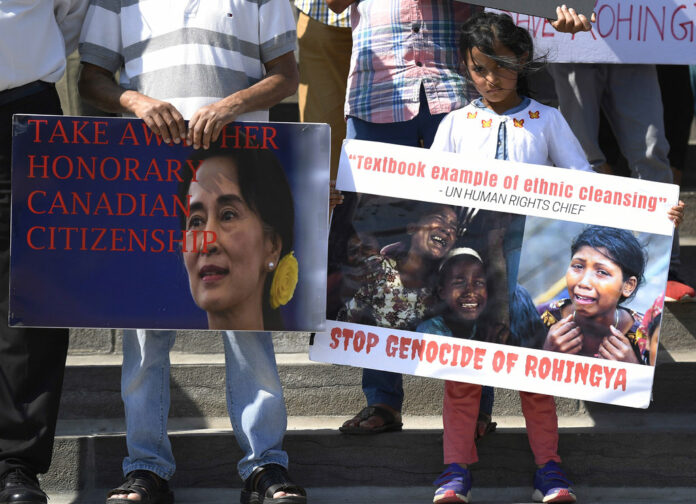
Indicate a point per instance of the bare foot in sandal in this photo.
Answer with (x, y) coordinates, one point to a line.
(141, 486)
(373, 420)
(272, 484)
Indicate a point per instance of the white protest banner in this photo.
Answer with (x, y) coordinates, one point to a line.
(541, 8)
(500, 333)
(626, 31)
(491, 184)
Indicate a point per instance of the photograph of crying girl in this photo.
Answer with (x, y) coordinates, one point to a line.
(240, 232)
(606, 270)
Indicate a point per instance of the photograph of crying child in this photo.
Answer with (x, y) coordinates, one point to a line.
(599, 290)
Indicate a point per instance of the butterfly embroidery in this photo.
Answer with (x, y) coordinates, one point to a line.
(486, 124)
(519, 123)
(534, 115)
(471, 115)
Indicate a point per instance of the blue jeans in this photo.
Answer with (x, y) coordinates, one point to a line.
(382, 387)
(255, 400)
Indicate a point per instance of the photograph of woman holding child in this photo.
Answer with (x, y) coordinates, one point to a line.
(606, 269)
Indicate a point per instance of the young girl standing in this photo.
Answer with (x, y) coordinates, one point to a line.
(505, 124)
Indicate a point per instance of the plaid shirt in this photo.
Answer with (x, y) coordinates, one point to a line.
(399, 45)
(319, 11)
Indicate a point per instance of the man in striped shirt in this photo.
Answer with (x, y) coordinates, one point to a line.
(211, 62)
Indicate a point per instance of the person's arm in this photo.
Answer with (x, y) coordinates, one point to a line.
(339, 6)
(98, 88)
(569, 21)
(69, 15)
(281, 80)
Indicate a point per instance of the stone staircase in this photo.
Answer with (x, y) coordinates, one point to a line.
(632, 453)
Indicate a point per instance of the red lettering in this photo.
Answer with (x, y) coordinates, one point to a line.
(467, 355)
(157, 239)
(403, 347)
(359, 341)
(96, 242)
(595, 375)
(608, 373)
(30, 232)
(392, 342)
(431, 351)
(30, 202)
(59, 131)
(445, 348)
(479, 354)
(129, 134)
(149, 134)
(32, 165)
(250, 144)
(78, 126)
(37, 123)
(268, 138)
(511, 360)
(530, 367)
(455, 354)
(335, 334)
(132, 166)
(417, 348)
(372, 340)
(620, 380)
(99, 133)
(117, 238)
(103, 205)
(498, 361)
(59, 204)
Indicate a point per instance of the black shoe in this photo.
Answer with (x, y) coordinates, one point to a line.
(20, 486)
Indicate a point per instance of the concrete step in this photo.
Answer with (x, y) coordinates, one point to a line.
(633, 449)
(92, 382)
(110, 342)
(413, 495)
(679, 318)
(92, 390)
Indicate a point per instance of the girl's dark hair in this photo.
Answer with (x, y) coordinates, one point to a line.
(482, 30)
(265, 190)
(618, 245)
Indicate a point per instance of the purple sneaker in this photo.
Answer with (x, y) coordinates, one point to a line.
(454, 485)
(552, 485)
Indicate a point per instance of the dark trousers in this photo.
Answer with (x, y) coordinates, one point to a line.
(32, 361)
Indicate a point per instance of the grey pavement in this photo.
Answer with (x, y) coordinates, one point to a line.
(412, 495)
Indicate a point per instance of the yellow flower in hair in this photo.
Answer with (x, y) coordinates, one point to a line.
(284, 281)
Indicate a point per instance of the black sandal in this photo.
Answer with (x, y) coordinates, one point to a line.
(390, 424)
(265, 481)
(151, 488)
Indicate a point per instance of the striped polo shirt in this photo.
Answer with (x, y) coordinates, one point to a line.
(188, 52)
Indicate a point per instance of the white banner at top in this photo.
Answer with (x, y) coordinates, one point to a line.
(626, 31)
(506, 186)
